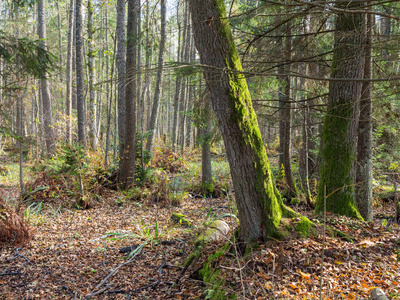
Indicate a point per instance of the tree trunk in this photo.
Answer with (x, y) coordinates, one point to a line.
(139, 113)
(121, 70)
(179, 78)
(364, 147)
(339, 134)
(127, 171)
(91, 76)
(80, 97)
(287, 119)
(44, 85)
(157, 93)
(59, 37)
(146, 89)
(68, 102)
(259, 204)
(207, 182)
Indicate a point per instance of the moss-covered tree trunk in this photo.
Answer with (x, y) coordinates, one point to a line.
(339, 134)
(259, 205)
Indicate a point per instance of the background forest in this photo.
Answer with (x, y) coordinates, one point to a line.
(113, 141)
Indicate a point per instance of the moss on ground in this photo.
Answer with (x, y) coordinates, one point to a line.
(211, 277)
(180, 219)
(304, 227)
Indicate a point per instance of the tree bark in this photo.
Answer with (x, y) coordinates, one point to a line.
(179, 79)
(259, 204)
(207, 182)
(59, 37)
(121, 70)
(157, 93)
(91, 76)
(68, 102)
(146, 87)
(364, 147)
(80, 97)
(291, 190)
(339, 134)
(44, 85)
(127, 171)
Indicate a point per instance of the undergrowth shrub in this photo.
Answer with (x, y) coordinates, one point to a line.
(14, 230)
(142, 159)
(160, 193)
(72, 174)
(164, 158)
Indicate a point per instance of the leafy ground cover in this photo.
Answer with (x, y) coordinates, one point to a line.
(125, 247)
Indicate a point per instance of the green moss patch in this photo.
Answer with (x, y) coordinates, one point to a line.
(211, 277)
(180, 219)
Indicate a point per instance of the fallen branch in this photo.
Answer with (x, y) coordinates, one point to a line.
(132, 256)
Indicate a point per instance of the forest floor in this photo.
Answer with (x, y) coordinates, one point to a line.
(73, 252)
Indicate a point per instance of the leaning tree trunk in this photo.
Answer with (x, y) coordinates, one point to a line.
(157, 93)
(364, 147)
(44, 84)
(259, 204)
(339, 134)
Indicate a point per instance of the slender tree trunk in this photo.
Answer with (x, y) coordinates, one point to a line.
(139, 112)
(109, 93)
(21, 144)
(207, 182)
(364, 147)
(287, 115)
(339, 134)
(91, 76)
(59, 38)
(44, 85)
(80, 97)
(68, 102)
(109, 105)
(146, 89)
(259, 204)
(179, 79)
(157, 93)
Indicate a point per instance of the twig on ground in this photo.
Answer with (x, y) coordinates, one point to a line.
(136, 252)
